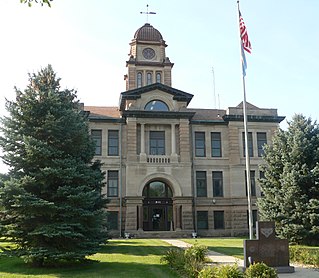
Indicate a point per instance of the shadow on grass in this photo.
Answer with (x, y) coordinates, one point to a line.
(16, 267)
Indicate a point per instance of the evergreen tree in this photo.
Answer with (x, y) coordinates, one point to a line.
(291, 183)
(53, 206)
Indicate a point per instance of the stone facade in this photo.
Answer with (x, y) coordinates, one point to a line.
(172, 170)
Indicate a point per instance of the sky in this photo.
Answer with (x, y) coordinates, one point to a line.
(87, 44)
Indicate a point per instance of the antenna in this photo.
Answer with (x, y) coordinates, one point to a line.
(214, 87)
(147, 13)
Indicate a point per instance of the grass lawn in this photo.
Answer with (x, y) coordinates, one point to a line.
(228, 246)
(132, 258)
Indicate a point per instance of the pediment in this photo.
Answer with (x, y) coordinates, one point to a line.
(138, 97)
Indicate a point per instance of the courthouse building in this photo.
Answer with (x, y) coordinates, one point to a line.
(172, 170)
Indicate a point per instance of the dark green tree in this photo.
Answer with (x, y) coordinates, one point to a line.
(53, 206)
(291, 183)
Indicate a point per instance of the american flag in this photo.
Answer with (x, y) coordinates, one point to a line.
(243, 34)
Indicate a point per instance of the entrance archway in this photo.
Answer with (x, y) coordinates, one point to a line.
(157, 206)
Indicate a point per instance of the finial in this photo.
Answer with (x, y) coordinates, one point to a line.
(147, 13)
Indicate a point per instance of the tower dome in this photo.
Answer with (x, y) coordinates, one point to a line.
(148, 33)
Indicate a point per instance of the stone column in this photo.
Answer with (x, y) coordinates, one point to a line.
(173, 144)
(140, 218)
(178, 218)
(142, 154)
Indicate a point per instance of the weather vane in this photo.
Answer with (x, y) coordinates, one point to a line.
(147, 13)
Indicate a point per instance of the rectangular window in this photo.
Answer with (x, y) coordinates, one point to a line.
(113, 143)
(250, 144)
(216, 144)
(218, 184)
(157, 142)
(201, 184)
(261, 141)
(96, 135)
(112, 183)
(202, 220)
(219, 222)
(252, 183)
(112, 220)
(200, 144)
(254, 212)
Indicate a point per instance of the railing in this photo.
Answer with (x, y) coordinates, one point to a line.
(159, 159)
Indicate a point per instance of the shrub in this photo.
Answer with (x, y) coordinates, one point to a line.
(304, 255)
(175, 259)
(260, 270)
(208, 272)
(229, 271)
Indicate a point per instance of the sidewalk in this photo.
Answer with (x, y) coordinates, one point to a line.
(224, 259)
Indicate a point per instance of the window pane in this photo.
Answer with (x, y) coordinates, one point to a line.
(112, 220)
(96, 135)
(219, 220)
(157, 189)
(201, 184)
(216, 144)
(149, 78)
(158, 77)
(250, 144)
(218, 184)
(157, 143)
(202, 220)
(113, 142)
(112, 183)
(156, 105)
(200, 144)
(261, 141)
(139, 80)
(252, 183)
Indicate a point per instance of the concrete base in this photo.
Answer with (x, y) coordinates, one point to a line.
(285, 269)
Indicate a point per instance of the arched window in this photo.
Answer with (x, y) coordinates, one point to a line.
(158, 77)
(139, 80)
(157, 189)
(149, 78)
(156, 105)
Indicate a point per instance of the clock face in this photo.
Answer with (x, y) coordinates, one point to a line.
(148, 53)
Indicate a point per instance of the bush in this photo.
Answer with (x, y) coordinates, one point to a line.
(304, 255)
(208, 272)
(229, 271)
(260, 270)
(189, 262)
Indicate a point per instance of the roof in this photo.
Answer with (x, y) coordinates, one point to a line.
(103, 113)
(148, 33)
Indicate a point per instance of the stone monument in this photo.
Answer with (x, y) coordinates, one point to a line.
(268, 249)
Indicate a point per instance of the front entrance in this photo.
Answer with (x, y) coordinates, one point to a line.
(157, 207)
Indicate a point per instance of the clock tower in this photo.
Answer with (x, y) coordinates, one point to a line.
(148, 63)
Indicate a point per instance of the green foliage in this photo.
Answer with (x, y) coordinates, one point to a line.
(29, 2)
(208, 272)
(52, 204)
(260, 270)
(290, 187)
(229, 271)
(187, 262)
(304, 255)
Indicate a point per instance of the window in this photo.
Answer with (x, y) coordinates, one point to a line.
(157, 143)
(112, 183)
(216, 144)
(156, 105)
(157, 189)
(139, 80)
(200, 144)
(218, 184)
(149, 78)
(261, 141)
(219, 222)
(158, 77)
(252, 183)
(261, 176)
(254, 211)
(250, 144)
(201, 184)
(96, 135)
(113, 142)
(112, 220)
(202, 220)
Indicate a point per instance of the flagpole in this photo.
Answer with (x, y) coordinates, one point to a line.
(248, 183)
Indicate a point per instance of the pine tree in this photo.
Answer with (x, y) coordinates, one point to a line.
(291, 184)
(53, 206)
